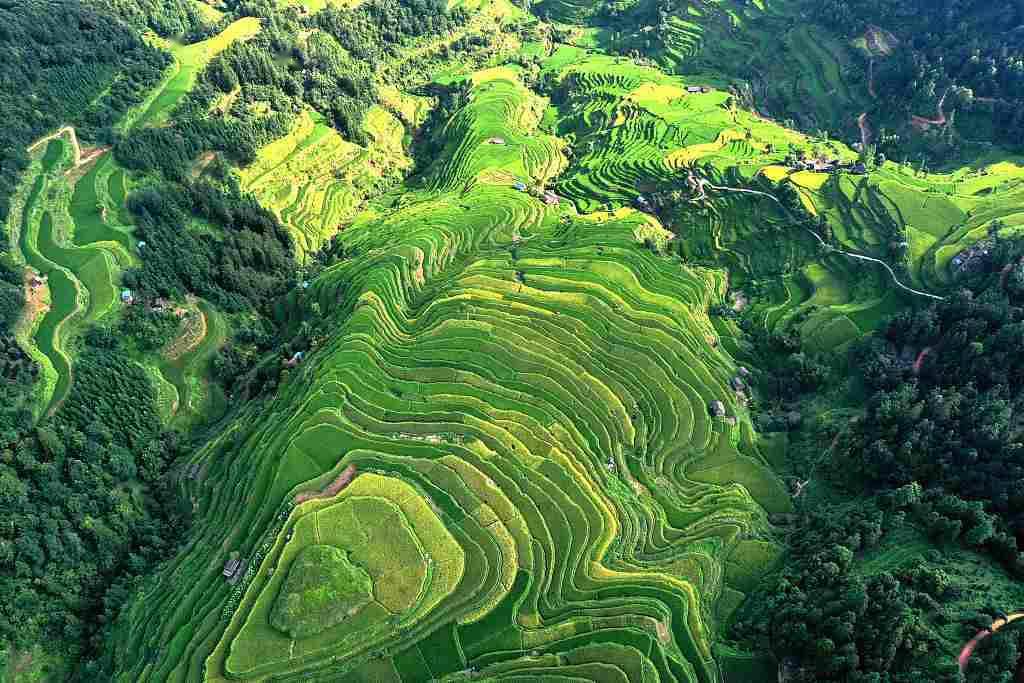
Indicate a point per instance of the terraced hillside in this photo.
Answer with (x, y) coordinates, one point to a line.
(520, 425)
(73, 230)
(528, 388)
(919, 222)
(79, 271)
(315, 180)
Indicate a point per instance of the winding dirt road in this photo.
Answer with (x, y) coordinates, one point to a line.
(80, 159)
(941, 120)
(965, 655)
(703, 183)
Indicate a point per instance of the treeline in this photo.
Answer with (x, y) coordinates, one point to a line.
(18, 372)
(179, 18)
(328, 61)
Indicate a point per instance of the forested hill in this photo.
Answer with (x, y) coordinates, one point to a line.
(972, 50)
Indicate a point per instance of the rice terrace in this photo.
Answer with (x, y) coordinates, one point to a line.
(402, 341)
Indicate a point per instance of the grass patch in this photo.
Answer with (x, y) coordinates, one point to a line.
(323, 588)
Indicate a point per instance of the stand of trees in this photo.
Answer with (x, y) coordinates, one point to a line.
(973, 48)
(85, 506)
(936, 453)
(328, 61)
(826, 622)
(166, 17)
(951, 419)
(249, 262)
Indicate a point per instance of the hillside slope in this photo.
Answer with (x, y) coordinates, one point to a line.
(496, 346)
(542, 383)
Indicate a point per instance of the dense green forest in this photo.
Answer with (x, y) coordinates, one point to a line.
(967, 57)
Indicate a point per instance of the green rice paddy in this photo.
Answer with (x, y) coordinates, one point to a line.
(73, 228)
(528, 387)
(315, 181)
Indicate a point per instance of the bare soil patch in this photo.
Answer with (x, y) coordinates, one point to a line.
(193, 331)
(37, 299)
(332, 489)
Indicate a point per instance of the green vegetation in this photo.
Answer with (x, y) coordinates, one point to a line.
(322, 589)
(400, 341)
(314, 180)
(189, 61)
(530, 479)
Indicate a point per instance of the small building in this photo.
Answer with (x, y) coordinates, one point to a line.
(693, 89)
(37, 280)
(550, 198)
(142, 244)
(717, 408)
(519, 186)
(127, 297)
(743, 372)
(193, 471)
(495, 141)
(231, 568)
(295, 359)
(737, 384)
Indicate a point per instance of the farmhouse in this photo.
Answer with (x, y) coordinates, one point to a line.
(717, 408)
(519, 186)
(550, 198)
(231, 568)
(127, 297)
(973, 258)
(823, 165)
